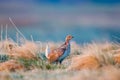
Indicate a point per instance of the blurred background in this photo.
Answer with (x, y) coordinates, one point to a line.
(52, 20)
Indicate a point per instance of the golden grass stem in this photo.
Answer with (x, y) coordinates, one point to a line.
(17, 38)
(32, 38)
(16, 28)
(1, 36)
(6, 32)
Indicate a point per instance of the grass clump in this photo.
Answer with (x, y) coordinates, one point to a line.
(4, 57)
(39, 64)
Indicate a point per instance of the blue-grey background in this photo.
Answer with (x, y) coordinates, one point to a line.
(52, 20)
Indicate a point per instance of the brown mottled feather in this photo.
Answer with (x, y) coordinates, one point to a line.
(55, 54)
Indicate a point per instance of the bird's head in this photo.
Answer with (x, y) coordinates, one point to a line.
(68, 37)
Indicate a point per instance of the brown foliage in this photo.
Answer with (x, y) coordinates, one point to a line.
(27, 51)
(84, 62)
(10, 65)
(117, 58)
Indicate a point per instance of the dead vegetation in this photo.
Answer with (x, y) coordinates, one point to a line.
(90, 61)
(25, 60)
(96, 55)
(11, 65)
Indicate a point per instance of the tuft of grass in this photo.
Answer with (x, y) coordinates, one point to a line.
(39, 64)
(11, 65)
(4, 57)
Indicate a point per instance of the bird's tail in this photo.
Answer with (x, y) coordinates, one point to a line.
(47, 50)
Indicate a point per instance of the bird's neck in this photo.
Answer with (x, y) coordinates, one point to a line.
(68, 46)
(67, 42)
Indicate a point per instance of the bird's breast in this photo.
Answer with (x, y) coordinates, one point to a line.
(54, 55)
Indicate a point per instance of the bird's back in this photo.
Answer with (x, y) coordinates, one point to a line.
(59, 54)
(56, 53)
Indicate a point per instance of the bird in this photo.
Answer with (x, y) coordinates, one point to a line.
(59, 54)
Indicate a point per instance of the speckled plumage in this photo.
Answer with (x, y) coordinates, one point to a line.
(59, 54)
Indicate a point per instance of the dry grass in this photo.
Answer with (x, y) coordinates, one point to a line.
(11, 65)
(84, 62)
(24, 60)
(96, 55)
(93, 61)
(117, 58)
(27, 50)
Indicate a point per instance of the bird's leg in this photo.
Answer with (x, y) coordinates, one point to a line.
(57, 63)
(60, 62)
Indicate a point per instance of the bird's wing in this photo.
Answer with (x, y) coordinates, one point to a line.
(66, 53)
(55, 54)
